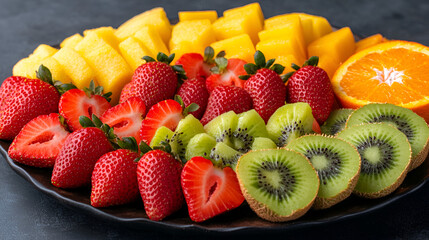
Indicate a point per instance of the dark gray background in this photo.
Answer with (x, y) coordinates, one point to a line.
(25, 213)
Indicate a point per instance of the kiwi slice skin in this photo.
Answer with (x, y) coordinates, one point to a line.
(408, 122)
(336, 157)
(301, 183)
(372, 184)
(336, 121)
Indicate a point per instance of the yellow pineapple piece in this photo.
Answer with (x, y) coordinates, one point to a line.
(186, 47)
(197, 33)
(71, 41)
(111, 70)
(197, 15)
(42, 51)
(329, 63)
(340, 43)
(240, 46)
(286, 61)
(252, 8)
(75, 66)
(281, 47)
(56, 69)
(151, 39)
(133, 51)
(237, 24)
(107, 34)
(157, 18)
(369, 42)
(26, 67)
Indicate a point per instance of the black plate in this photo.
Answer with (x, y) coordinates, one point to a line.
(236, 220)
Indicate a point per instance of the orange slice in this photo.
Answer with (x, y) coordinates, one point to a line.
(394, 72)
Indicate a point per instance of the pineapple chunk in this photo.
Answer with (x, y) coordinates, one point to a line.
(26, 67)
(151, 39)
(75, 66)
(56, 69)
(252, 8)
(186, 47)
(198, 15)
(340, 43)
(107, 34)
(133, 51)
(369, 42)
(42, 51)
(71, 41)
(240, 46)
(157, 18)
(281, 47)
(111, 70)
(237, 24)
(198, 33)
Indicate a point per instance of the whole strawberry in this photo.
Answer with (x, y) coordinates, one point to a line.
(194, 91)
(7, 87)
(154, 81)
(311, 84)
(158, 174)
(224, 99)
(265, 86)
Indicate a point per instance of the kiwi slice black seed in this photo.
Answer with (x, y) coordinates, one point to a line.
(405, 120)
(337, 163)
(162, 134)
(385, 154)
(185, 130)
(224, 155)
(290, 122)
(278, 184)
(336, 121)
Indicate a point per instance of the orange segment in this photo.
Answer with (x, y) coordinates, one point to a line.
(392, 72)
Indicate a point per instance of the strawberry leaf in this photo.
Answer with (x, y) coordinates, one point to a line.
(312, 61)
(244, 77)
(44, 74)
(250, 68)
(144, 148)
(294, 66)
(97, 122)
(148, 59)
(259, 59)
(170, 58)
(278, 68)
(129, 143)
(221, 54)
(191, 108)
(269, 63)
(85, 122)
(209, 55)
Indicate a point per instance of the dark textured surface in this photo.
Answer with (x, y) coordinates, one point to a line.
(26, 213)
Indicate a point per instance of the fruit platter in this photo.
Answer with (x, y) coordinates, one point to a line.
(221, 123)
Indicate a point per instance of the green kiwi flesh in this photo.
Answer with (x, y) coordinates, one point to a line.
(337, 163)
(336, 121)
(405, 120)
(185, 130)
(200, 145)
(290, 122)
(385, 155)
(278, 184)
(223, 155)
(263, 143)
(162, 134)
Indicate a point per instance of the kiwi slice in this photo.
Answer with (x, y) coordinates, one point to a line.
(200, 145)
(162, 134)
(278, 184)
(337, 163)
(289, 122)
(185, 130)
(263, 143)
(224, 155)
(405, 120)
(336, 121)
(386, 156)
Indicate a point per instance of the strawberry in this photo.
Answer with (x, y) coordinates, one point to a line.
(209, 190)
(76, 160)
(195, 65)
(226, 73)
(224, 99)
(7, 87)
(75, 103)
(158, 174)
(194, 91)
(154, 81)
(39, 141)
(126, 118)
(311, 84)
(265, 86)
(114, 179)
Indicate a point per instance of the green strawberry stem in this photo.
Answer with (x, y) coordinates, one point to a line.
(252, 68)
(44, 74)
(186, 110)
(92, 90)
(162, 57)
(312, 61)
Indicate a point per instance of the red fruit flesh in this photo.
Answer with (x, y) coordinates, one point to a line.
(75, 162)
(31, 98)
(224, 99)
(125, 92)
(75, 103)
(158, 175)
(194, 91)
(316, 127)
(7, 87)
(208, 190)
(39, 142)
(166, 113)
(114, 179)
(230, 77)
(194, 65)
(126, 118)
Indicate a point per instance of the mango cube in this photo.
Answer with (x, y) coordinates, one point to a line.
(71, 41)
(240, 46)
(25, 67)
(198, 15)
(185, 47)
(197, 33)
(369, 42)
(133, 51)
(111, 70)
(253, 9)
(321, 26)
(329, 63)
(157, 18)
(75, 66)
(107, 34)
(237, 24)
(42, 51)
(56, 69)
(286, 61)
(281, 47)
(151, 39)
(340, 43)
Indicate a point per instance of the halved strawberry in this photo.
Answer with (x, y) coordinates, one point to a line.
(126, 118)
(197, 66)
(226, 73)
(166, 113)
(75, 103)
(39, 141)
(209, 190)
